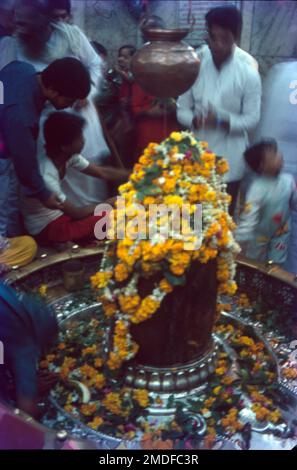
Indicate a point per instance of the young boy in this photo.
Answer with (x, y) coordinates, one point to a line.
(264, 226)
(63, 133)
(27, 329)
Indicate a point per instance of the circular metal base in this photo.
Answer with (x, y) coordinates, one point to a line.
(173, 380)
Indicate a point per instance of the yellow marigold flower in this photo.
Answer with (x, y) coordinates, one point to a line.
(149, 200)
(165, 286)
(98, 381)
(246, 340)
(114, 362)
(210, 196)
(88, 409)
(109, 308)
(89, 350)
(228, 380)
(209, 402)
(221, 370)
(203, 144)
(112, 402)
(121, 272)
(147, 308)
(177, 269)
(101, 279)
(129, 304)
(136, 177)
(96, 423)
(142, 398)
(217, 390)
(222, 166)
(178, 200)
(174, 150)
(98, 362)
(208, 157)
(137, 167)
(145, 160)
(169, 185)
(120, 328)
(125, 187)
(43, 290)
(176, 136)
(231, 288)
(88, 371)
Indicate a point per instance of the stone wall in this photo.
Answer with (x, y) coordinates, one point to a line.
(269, 30)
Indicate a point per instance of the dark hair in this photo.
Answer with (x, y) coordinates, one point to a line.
(69, 77)
(59, 5)
(99, 48)
(227, 17)
(132, 49)
(254, 155)
(61, 128)
(37, 6)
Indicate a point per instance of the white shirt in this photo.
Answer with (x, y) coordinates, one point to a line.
(69, 41)
(267, 206)
(36, 215)
(234, 93)
(279, 120)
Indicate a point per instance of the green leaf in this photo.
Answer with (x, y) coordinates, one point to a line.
(175, 280)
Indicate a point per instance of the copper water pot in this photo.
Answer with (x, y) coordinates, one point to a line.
(165, 67)
(74, 275)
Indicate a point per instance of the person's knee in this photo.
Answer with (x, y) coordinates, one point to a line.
(30, 244)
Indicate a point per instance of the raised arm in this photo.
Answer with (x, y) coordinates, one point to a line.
(107, 173)
(186, 108)
(75, 212)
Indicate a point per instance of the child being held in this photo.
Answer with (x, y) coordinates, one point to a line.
(264, 226)
(64, 141)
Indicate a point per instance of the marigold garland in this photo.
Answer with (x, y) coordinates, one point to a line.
(180, 170)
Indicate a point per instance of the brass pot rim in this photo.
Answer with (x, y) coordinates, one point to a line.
(157, 34)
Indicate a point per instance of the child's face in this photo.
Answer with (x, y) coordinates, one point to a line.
(272, 163)
(75, 147)
(124, 60)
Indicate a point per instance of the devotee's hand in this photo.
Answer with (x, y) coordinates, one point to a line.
(211, 120)
(53, 202)
(46, 381)
(197, 122)
(111, 201)
(81, 104)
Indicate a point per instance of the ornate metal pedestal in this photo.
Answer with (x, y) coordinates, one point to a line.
(279, 295)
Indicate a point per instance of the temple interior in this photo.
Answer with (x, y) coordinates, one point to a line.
(148, 225)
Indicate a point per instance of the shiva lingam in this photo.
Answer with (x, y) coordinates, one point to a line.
(176, 349)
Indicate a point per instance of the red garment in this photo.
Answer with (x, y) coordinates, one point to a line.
(64, 229)
(147, 129)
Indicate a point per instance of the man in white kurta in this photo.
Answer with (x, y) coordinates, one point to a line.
(224, 103)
